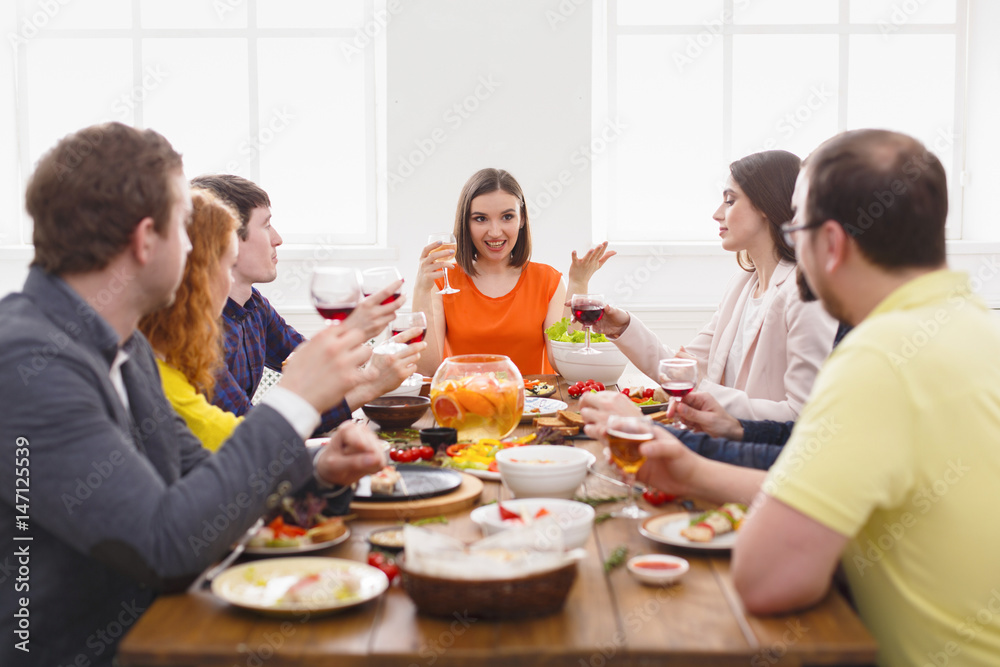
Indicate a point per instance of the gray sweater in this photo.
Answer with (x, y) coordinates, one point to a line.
(118, 504)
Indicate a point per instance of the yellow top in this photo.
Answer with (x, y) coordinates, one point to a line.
(899, 449)
(212, 425)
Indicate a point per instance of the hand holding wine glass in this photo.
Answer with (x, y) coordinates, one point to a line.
(405, 321)
(587, 310)
(372, 280)
(678, 377)
(624, 435)
(448, 242)
(335, 292)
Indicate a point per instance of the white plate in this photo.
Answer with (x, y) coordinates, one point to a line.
(260, 585)
(301, 549)
(547, 407)
(666, 529)
(481, 474)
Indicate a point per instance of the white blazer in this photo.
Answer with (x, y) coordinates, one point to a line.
(779, 365)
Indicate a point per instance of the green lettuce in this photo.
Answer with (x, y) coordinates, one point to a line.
(560, 331)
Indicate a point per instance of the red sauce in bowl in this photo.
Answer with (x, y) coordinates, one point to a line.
(656, 565)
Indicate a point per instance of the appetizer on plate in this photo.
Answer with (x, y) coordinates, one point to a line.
(538, 388)
(385, 480)
(646, 395)
(706, 527)
(298, 522)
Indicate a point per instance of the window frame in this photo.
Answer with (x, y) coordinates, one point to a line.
(606, 32)
(16, 231)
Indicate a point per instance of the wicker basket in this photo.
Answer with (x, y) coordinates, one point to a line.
(536, 595)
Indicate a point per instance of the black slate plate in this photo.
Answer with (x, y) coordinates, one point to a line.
(421, 482)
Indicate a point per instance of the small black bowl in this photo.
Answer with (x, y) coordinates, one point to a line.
(438, 438)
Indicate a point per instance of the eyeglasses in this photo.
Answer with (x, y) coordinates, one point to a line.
(787, 228)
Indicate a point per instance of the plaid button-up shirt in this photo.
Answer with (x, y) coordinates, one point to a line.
(257, 336)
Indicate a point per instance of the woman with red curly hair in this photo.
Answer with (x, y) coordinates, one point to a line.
(185, 335)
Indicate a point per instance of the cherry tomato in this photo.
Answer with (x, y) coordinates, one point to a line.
(394, 454)
(600, 386)
(425, 452)
(493, 467)
(655, 497)
(647, 393)
(626, 391)
(384, 563)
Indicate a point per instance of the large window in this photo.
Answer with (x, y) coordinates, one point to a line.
(696, 85)
(279, 91)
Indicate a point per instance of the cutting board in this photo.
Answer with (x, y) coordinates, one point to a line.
(462, 497)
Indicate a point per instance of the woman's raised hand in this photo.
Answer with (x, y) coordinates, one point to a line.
(581, 269)
(431, 265)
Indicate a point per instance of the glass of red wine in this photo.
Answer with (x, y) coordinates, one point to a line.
(335, 292)
(404, 321)
(587, 309)
(372, 280)
(678, 377)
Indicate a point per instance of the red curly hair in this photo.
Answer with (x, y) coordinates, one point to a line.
(186, 333)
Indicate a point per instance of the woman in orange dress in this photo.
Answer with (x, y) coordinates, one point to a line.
(505, 301)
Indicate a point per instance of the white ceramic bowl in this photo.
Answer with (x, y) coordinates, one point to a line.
(666, 569)
(575, 520)
(605, 367)
(543, 471)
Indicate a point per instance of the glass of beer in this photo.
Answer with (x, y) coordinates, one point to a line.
(624, 435)
(448, 242)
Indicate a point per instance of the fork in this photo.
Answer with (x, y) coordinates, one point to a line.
(205, 580)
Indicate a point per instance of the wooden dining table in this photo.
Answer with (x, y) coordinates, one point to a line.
(608, 618)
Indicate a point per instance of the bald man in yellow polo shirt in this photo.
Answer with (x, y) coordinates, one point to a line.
(893, 469)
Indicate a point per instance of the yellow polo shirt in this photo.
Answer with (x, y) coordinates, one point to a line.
(212, 425)
(898, 449)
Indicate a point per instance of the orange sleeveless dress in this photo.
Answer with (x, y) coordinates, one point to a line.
(511, 324)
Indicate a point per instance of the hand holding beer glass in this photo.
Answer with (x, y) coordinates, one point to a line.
(624, 436)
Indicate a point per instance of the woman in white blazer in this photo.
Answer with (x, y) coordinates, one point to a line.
(760, 353)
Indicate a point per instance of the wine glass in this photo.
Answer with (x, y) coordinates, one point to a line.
(447, 240)
(624, 435)
(335, 292)
(404, 321)
(678, 377)
(372, 280)
(587, 310)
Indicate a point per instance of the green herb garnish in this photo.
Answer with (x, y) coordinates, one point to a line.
(431, 519)
(594, 501)
(617, 558)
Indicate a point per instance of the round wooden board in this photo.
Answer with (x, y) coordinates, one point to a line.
(462, 497)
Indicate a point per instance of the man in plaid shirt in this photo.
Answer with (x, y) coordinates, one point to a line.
(257, 336)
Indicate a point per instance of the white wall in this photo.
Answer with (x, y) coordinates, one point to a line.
(523, 84)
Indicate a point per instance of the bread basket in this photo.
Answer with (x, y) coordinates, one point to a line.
(533, 595)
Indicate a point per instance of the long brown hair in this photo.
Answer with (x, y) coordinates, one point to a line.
(484, 182)
(186, 333)
(768, 180)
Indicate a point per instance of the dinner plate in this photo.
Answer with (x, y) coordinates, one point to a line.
(420, 482)
(547, 407)
(482, 474)
(301, 549)
(666, 529)
(261, 585)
